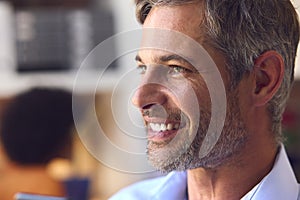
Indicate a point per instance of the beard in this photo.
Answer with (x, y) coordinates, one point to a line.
(182, 152)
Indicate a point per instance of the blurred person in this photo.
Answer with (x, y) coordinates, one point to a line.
(36, 127)
(253, 44)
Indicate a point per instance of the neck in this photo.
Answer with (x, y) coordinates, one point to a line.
(232, 181)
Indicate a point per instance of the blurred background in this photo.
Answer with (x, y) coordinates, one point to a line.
(44, 42)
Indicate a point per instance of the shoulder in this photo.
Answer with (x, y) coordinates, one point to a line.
(149, 189)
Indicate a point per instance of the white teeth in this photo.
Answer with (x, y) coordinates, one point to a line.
(163, 127)
(152, 126)
(170, 127)
(156, 127)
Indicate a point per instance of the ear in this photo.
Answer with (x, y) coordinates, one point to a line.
(268, 73)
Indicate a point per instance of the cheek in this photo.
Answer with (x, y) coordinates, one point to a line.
(202, 94)
(184, 95)
(190, 97)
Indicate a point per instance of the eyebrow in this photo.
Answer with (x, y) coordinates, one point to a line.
(164, 58)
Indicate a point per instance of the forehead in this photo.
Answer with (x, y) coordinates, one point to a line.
(183, 19)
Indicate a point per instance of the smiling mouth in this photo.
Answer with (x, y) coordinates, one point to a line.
(163, 131)
(160, 127)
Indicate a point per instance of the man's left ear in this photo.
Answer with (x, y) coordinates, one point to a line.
(268, 71)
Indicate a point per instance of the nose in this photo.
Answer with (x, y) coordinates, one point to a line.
(149, 94)
(152, 90)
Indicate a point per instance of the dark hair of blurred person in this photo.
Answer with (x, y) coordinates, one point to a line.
(36, 128)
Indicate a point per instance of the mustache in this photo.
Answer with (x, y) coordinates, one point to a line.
(161, 112)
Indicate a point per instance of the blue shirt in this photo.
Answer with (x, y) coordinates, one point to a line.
(279, 184)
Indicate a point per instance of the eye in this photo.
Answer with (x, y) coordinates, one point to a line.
(142, 69)
(175, 69)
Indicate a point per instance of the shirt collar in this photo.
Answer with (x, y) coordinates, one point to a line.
(172, 187)
(279, 184)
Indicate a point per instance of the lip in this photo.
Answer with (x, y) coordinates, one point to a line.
(160, 136)
(156, 120)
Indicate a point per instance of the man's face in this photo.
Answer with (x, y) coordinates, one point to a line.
(174, 98)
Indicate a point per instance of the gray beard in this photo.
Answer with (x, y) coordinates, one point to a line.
(167, 157)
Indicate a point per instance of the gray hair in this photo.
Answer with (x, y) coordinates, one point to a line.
(244, 29)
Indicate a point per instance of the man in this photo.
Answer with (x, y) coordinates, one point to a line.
(253, 45)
